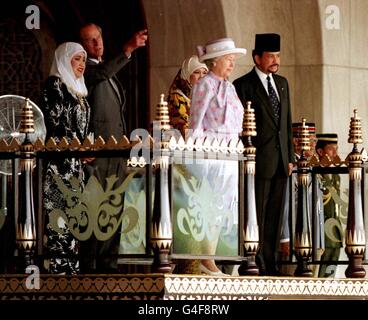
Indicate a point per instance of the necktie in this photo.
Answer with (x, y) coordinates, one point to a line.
(273, 99)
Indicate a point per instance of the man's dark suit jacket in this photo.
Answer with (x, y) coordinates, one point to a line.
(106, 98)
(107, 102)
(272, 141)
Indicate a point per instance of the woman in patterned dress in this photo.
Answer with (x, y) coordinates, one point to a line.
(217, 112)
(180, 92)
(66, 114)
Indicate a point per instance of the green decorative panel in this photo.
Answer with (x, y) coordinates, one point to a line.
(94, 209)
(133, 240)
(205, 208)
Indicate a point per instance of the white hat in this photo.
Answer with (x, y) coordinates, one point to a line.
(218, 48)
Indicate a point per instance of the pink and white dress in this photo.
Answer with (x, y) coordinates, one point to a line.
(217, 112)
(216, 109)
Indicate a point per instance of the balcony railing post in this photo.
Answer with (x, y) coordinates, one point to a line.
(25, 220)
(355, 233)
(161, 229)
(3, 198)
(303, 242)
(251, 233)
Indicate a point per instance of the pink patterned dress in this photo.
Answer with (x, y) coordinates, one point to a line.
(216, 109)
(217, 112)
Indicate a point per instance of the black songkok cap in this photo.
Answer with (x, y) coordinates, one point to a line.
(267, 42)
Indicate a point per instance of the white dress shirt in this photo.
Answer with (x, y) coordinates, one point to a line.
(263, 77)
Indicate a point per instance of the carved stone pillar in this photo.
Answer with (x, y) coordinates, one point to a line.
(303, 243)
(355, 233)
(251, 233)
(25, 219)
(161, 229)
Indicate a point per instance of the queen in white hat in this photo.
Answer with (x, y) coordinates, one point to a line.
(217, 112)
(216, 109)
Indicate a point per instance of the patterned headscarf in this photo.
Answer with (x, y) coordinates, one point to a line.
(189, 66)
(182, 79)
(62, 67)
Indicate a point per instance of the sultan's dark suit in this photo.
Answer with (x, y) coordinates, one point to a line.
(106, 97)
(274, 152)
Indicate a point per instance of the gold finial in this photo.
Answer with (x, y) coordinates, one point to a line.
(249, 121)
(355, 131)
(27, 123)
(303, 139)
(162, 114)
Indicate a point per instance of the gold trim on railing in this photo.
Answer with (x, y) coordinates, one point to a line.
(249, 121)
(53, 144)
(27, 122)
(355, 130)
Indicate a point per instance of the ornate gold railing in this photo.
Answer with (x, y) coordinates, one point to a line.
(153, 157)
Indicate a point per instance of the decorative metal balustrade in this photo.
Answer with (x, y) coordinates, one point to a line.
(166, 207)
(140, 208)
(305, 218)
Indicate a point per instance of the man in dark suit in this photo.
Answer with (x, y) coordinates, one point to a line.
(105, 93)
(106, 97)
(269, 94)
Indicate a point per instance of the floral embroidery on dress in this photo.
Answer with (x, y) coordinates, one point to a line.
(65, 116)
